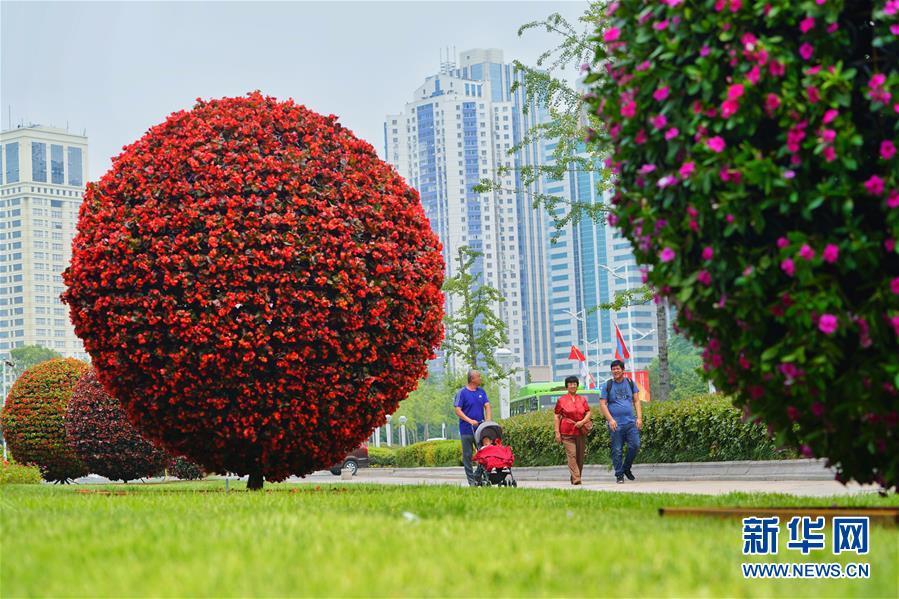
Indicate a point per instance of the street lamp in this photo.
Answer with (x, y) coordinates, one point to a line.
(10, 364)
(504, 357)
(403, 431)
(389, 440)
(630, 315)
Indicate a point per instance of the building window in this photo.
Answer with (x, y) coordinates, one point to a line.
(39, 161)
(75, 167)
(12, 162)
(57, 166)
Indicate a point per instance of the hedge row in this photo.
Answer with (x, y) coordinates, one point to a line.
(18, 474)
(429, 453)
(706, 428)
(381, 457)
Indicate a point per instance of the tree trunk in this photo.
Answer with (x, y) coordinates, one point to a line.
(662, 336)
(254, 483)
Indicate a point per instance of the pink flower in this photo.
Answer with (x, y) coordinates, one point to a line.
(659, 121)
(831, 253)
(686, 169)
(788, 267)
(894, 286)
(893, 199)
(667, 255)
(776, 68)
(612, 34)
(887, 149)
(805, 25)
(647, 168)
(806, 252)
(704, 51)
(704, 277)
(640, 137)
(661, 25)
(753, 75)
(716, 144)
(782, 242)
(874, 185)
(830, 115)
(771, 102)
(628, 109)
(828, 135)
(895, 322)
(827, 324)
(671, 133)
(735, 92)
(729, 108)
(708, 253)
(788, 174)
(667, 181)
(643, 66)
(833, 27)
(829, 154)
(806, 51)
(661, 93)
(813, 94)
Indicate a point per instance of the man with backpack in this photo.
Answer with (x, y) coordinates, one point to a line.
(620, 405)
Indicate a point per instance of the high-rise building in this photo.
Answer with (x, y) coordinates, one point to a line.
(42, 176)
(457, 130)
(588, 266)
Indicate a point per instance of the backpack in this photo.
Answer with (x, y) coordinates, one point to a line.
(609, 387)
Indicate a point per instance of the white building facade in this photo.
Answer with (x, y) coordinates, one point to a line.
(42, 179)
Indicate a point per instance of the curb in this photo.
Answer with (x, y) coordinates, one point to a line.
(795, 470)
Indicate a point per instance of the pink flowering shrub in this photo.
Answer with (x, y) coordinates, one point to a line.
(771, 219)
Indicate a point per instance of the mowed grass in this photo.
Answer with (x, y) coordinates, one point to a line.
(193, 539)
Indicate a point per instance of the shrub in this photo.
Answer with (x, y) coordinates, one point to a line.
(753, 145)
(706, 428)
(255, 286)
(12, 473)
(429, 454)
(101, 435)
(33, 419)
(183, 468)
(381, 457)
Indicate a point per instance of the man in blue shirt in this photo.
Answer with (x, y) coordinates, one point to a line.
(472, 408)
(618, 402)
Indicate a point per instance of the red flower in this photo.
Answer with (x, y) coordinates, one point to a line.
(255, 286)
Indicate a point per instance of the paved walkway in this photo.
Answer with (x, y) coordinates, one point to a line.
(807, 488)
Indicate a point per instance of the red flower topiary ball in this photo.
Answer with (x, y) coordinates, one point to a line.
(101, 435)
(184, 469)
(33, 418)
(256, 286)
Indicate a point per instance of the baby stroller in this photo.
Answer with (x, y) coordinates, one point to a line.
(493, 458)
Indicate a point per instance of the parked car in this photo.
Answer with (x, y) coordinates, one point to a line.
(358, 458)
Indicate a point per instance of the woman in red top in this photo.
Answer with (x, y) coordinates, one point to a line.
(571, 418)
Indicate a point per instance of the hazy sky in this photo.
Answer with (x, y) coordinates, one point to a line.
(117, 68)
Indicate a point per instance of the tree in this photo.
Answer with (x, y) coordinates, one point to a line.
(757, 143)
(33, 419)
(473, 330)
(30, 355)
(99, 432)
(685, 362)
(255, 286)
(546, 84)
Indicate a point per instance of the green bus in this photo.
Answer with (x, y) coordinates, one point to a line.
(543, 396)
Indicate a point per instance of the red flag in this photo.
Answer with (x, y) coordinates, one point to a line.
(621, 351)
(576, 354)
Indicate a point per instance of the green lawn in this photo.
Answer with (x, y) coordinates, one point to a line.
(192, 539)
